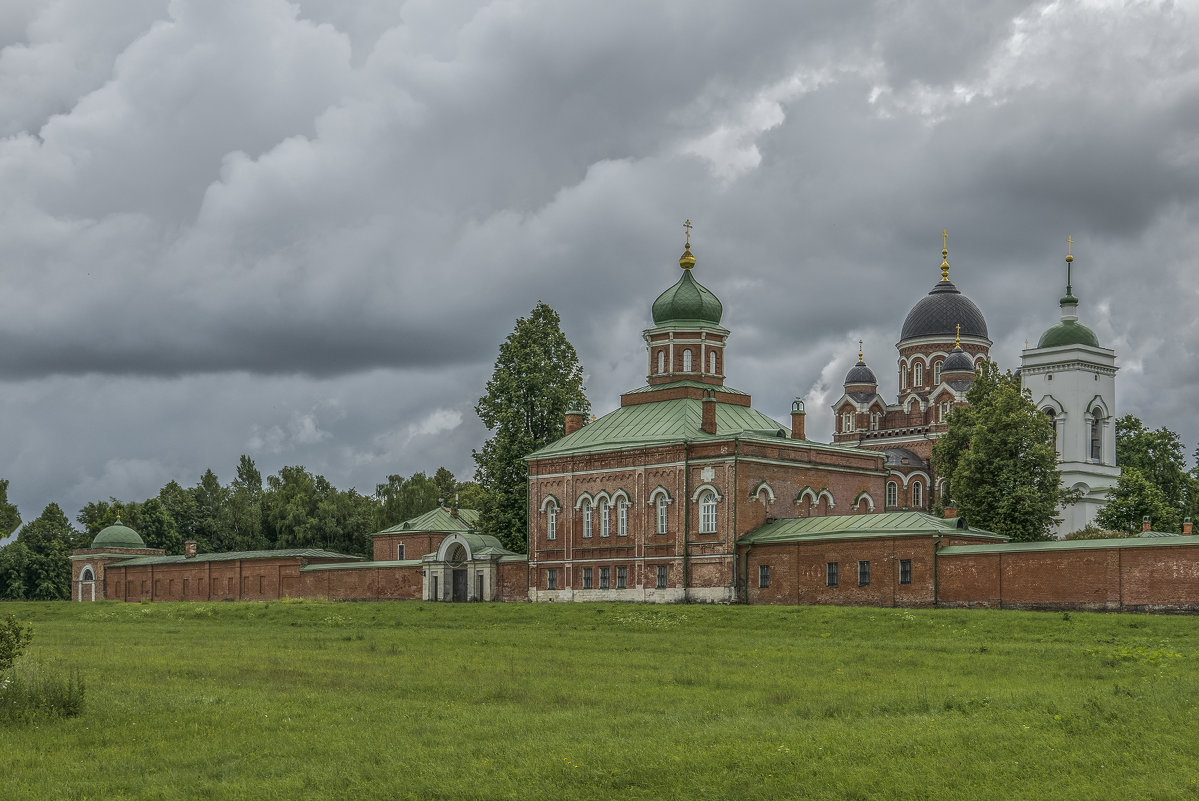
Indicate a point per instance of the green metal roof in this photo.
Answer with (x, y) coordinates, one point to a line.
(362, 565)
(660, 422)
(688, 301)
(882, 524)
(231, 556)
(1068, 332)
(1070, 545)
(437, 520)
(118, 536)
(686, 382)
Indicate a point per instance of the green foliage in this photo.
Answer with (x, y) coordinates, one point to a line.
(14, 639)
(253, 700)
(1153, 479)
(402, 498)
(10, 518)
(1093, 532)
(302, 510)
(48, 542)
(537, 379)
(999, 458)
(1135, 498)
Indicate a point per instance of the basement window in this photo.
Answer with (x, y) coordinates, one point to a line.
(830, 574)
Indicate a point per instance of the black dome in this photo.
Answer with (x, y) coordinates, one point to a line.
(941, 311)
(957, 362)
(860, 374)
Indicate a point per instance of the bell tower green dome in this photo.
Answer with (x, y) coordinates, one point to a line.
(688, 301)
(1069, 331)
(118, 536)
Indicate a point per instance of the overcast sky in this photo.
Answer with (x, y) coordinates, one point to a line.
(301, 230)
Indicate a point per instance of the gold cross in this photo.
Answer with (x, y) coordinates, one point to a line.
(687, 225)
(1069, 244)
(945, 239)
(957, 342)
(859, 350)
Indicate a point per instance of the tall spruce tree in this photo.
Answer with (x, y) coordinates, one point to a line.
(537, 379)
(999, 458)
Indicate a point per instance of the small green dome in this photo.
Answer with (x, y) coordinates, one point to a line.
(118, 536)
(687, 301)
(1068, 332)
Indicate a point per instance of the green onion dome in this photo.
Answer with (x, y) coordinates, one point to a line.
(688, 301)
(118, 536)
(1069, 331)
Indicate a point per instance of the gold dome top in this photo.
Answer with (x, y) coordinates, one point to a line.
(687, 261)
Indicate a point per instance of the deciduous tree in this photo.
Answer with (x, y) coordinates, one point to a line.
(537, 379)
(999, 459)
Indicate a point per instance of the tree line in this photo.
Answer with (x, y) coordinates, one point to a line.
(292, 509)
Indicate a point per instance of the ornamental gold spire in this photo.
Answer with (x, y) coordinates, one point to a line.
(859, 351)
(687, 261)
(945, 255)
(1069, 265)
(957, 339)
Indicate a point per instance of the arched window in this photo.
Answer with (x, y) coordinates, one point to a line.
(687, 360)
(1052, 415)
(586, 518)
(604, 519)
(1096, 434)
(707, 513)
(622, 518)
(903, 378)
(712, 362)
(847, 422)
(551, 521)
(874, 418)
(87, 575)
(662, 503)
(917, 495)
(937, 373)
(892, 494)
(918, 375)
(661, 362)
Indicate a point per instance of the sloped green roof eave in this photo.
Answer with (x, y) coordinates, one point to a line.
(881, 524)
(657, 423)
(685, 382)
(232, 556)
(437, 521)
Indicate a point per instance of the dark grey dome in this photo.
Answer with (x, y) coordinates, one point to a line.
(957, 362)
(941, 311)
(860, 374)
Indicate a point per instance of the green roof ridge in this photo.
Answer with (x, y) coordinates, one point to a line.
(439, 519)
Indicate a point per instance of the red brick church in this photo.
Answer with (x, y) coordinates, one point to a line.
(686, 493)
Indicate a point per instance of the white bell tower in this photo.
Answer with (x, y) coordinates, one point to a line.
(1073, 380)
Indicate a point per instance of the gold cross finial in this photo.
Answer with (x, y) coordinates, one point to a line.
(957, 340)
(859, 350)
(945, 255)
(687, 225)
(1069, 247)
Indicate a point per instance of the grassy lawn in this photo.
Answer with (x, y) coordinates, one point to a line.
(410, 700)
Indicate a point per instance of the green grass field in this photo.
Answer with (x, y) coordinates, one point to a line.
(410, 700)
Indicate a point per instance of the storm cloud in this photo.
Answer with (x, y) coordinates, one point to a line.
(300, 230)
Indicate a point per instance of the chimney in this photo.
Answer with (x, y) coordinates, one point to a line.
(189, 549)
(574, 421)
(1145, 523)
(454, 511)
(1186, 527)
(708, 421)
(951, 510)
(797, 417)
